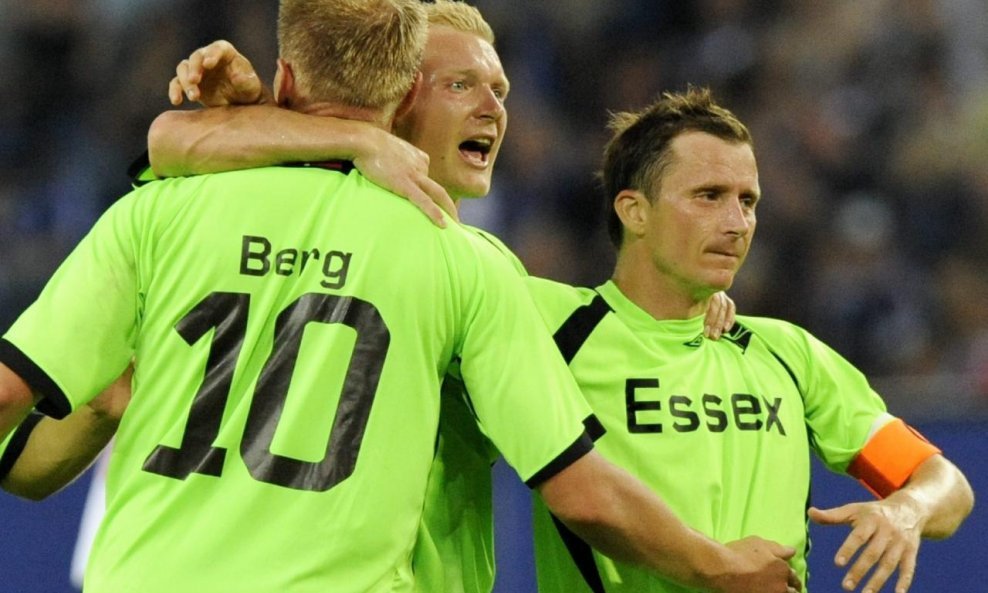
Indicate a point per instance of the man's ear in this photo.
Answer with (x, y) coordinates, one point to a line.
(632, 207)
(284, 84)
(409, 99)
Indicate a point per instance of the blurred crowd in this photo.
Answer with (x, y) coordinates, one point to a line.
(870, 120)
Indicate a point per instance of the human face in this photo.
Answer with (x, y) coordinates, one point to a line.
(458, 116)
(700, 225)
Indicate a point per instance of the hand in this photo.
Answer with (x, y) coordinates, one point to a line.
(887, 535)
(720, 316)
(761, 567)
(216, 75)
(112, 402)
(403, 169)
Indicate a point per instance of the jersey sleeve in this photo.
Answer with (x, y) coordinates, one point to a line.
(503, 249)
(841, 408)
(523, 394)
(77, 337)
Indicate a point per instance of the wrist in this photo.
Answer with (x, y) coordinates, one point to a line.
(710, 564)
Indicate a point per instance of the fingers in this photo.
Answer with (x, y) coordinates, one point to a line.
(426, 205)
(886, 566)
(189, 72)
(187, 82)
(859, 536)
(175, 93)
(714, 320)
(907, 568)
(868, 558)
(780, 551)
(730, 312)
(794, 583)
(835, 516)
(439, 196)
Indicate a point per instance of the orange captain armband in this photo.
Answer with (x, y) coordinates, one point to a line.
(889, 457)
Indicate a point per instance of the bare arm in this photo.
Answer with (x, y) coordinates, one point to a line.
(942, 495)
(238, 133)
(16, 400)
(238, 137)
(886, 533)
(622, 518)
(59, 451)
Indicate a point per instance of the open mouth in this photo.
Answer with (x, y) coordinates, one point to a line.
(477, 150)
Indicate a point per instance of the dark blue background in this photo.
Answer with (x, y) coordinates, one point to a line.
(36, 539)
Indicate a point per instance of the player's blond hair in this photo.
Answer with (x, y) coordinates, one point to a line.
(639, 150)
(459, 16)
(360, 53)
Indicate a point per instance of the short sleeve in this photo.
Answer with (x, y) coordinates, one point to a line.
(77, 337)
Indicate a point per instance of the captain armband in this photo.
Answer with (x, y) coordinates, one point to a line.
(888, 459)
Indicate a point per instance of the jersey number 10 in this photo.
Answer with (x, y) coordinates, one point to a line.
(226, 313)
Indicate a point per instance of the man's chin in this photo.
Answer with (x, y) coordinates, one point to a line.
(470, 190)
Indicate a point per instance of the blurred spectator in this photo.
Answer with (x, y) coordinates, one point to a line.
(870, 120)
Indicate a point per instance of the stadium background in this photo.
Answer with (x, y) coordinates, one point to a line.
(871, 127)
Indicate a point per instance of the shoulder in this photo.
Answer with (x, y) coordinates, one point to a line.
(777, 331)
(557, 301)
(499, 245)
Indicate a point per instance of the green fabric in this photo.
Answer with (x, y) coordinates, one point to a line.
(214, 285)
(722, 431)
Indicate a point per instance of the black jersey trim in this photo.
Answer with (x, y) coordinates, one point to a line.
(137, 168)
(17, 442)
(595, 429)
(792, 375)
(578, 326)
(739, 335)
(579, 448)
(344, 167)
(53, 402)
(582, 555)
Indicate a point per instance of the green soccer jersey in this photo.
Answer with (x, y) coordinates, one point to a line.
(721, 430)
(455, 548)
(289, 329)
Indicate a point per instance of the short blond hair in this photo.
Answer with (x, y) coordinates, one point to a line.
(461, 17)
(360, 53)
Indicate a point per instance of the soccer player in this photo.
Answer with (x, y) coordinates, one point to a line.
(231, 292)
(723, 430)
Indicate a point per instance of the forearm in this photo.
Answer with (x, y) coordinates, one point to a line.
(624, 520)
(228, 138)
(16, 400)
(57, 452)
(940, 494)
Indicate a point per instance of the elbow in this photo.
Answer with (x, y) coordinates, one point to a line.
(958, 507)
(28, 490)
(167, 146)
(965, 502)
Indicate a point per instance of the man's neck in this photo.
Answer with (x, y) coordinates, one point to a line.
(660, 296)
(377, 117)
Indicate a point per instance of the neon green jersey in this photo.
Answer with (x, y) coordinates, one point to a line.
(290, 328)
(455, 548)
(722, 431)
